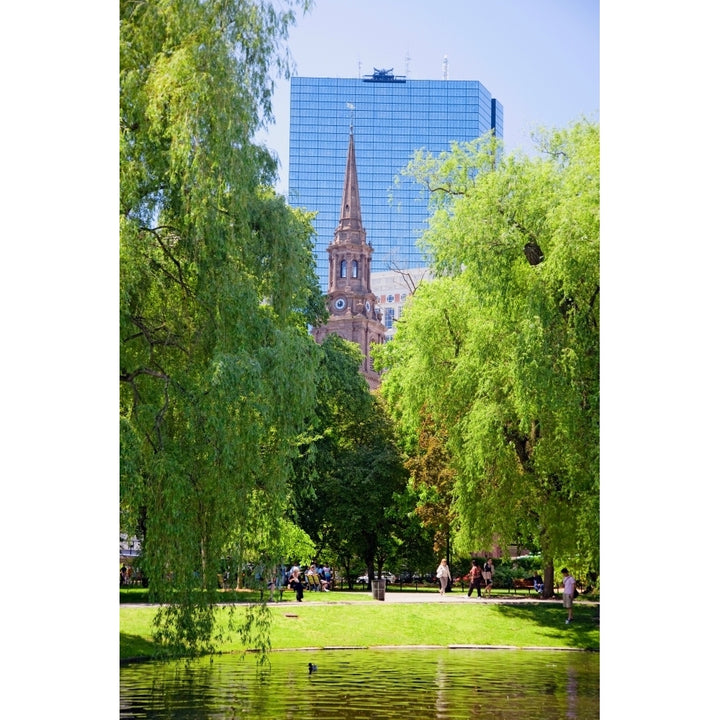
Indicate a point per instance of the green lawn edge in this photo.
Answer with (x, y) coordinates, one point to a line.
(349, 623)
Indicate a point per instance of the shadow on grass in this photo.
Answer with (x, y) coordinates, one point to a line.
(584, 628)
(133, 647)
(141, 596)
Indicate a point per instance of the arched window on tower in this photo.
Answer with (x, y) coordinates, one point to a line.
(354, 268)
(343, 268)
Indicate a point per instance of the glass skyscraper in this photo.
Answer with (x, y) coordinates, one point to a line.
(392, 117)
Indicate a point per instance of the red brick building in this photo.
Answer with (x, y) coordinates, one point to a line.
(350, 300)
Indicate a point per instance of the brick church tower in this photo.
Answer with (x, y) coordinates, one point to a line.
(350, 300)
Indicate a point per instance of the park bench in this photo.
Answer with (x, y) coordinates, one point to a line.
(523, 584)
(313, 582)
(275, 591)
(529, 585)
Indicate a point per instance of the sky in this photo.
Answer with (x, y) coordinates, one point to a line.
(539, 58)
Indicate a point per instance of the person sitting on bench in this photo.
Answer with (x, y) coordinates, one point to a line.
(296, 584)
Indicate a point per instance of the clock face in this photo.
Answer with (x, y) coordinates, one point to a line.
(367, 306)
(340, 303)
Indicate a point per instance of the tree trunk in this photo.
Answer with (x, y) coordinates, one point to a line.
(549, 580)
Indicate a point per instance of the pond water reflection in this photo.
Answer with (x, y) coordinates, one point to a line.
(384, 684)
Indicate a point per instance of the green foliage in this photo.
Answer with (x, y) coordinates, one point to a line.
(217, 286)
(296, 543)
(184, 627)
(254, 629)
(415, 546)
(432, 479)
(502, 350)
(506, 571)
(349, 468)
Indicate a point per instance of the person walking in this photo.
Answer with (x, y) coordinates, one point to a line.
(488, 572)
(443, 575)
(568, 593)
(475, 578)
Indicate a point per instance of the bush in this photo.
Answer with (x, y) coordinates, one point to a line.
(506, 571)
(527, 563)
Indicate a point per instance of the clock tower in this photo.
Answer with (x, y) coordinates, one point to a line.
(350, 300)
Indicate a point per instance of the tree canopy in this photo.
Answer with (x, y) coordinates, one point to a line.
(350, 468)
(501, 350)
(217, 287)
(432, 479)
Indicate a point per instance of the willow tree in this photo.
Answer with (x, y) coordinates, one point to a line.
(217, 287)
(502, 349)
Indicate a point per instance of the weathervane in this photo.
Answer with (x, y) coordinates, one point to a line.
(351, 108)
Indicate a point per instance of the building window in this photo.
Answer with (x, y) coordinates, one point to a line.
(343, 268)
(421, 113)
(354, 268)
(389, 317)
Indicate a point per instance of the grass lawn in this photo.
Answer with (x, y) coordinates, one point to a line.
(141, 595)
(345, 622)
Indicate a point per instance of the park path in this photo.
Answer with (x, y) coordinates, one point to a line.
(405, 597)
(425, 597)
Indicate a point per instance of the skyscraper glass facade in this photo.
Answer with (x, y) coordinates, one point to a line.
(391, 118)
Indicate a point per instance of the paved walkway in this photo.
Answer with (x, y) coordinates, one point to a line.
(452, 597)
(425, 597)
(407, 597)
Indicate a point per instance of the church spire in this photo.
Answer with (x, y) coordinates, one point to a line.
(350, 228)
(350, 300)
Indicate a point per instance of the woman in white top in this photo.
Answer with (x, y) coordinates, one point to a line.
(488, 572)
(443, 575)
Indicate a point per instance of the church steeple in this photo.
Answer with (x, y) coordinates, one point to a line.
(349, 299)
(350, 228)
(350, 254)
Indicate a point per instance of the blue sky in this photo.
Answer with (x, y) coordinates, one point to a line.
(539, 58)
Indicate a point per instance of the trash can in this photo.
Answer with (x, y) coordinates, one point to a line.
(378, 589)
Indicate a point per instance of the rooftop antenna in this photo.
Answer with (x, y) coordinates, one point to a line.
(360, 69)
(407, 63)
(445, 68)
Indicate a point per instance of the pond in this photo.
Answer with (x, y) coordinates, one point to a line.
(384, 684)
